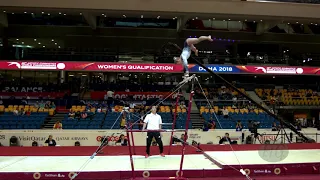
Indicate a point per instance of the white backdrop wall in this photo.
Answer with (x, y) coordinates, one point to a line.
(92, 137)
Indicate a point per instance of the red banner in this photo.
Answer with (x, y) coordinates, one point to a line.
(98, 95)
(160, 68)
(89, 66)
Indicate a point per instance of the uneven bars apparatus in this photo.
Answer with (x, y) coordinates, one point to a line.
(288, 125)
(180, 173)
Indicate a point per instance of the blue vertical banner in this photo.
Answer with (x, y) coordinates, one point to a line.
(214, 68)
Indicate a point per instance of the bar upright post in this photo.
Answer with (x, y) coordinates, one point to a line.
(174, 122)
(186, 132)
(131, 133)
(130, 153)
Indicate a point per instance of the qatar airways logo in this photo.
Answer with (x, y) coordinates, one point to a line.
(37, 65)
(280, 70)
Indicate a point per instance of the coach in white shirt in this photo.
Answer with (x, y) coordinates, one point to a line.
(153, 121)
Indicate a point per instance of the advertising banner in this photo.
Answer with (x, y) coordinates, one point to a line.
(89, 66)
(135, 95)
(156, 67)
(289, 70)
(93, 137)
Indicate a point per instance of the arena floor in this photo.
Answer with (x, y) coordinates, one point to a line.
(301, 161)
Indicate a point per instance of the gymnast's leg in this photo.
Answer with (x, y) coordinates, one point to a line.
(198, 40)
(157, 136)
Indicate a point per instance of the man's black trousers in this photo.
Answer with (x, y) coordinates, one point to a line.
(157, 136)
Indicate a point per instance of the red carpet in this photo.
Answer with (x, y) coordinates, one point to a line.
(140, 150)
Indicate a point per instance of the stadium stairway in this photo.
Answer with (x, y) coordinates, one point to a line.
(255, 97)
(50, 121)
(196, 120)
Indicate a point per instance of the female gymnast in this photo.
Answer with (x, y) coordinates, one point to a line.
(186, 52)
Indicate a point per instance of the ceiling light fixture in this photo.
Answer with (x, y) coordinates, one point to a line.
(158, 17)
(44, 46)
(4, 11)
(25, 12)
(102, 14)
(229, 19)
(52, 40)
(39, 42)
(35, 39)
(59, 47)
(80, 13)
(48, 14)
(17, 39)
(64, 14)
(60, 13)
(42, 12)
(55, 43)
(124, 16)
(141, 16)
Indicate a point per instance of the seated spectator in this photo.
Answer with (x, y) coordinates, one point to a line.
(140, 124)
(53, 106)
(211, 124)
(77, 115)
(28, 112)
(50, 141)
(313, 122)
(225, 139)
(41, 105)
(275, 127)
(47, 105)
(239, 126)
(122, 140)
(16, 112)
(21, 112)
(84, 115)
(37, 105)
(225, 112)
(123, 122)
(71, 114)
(57, 125)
